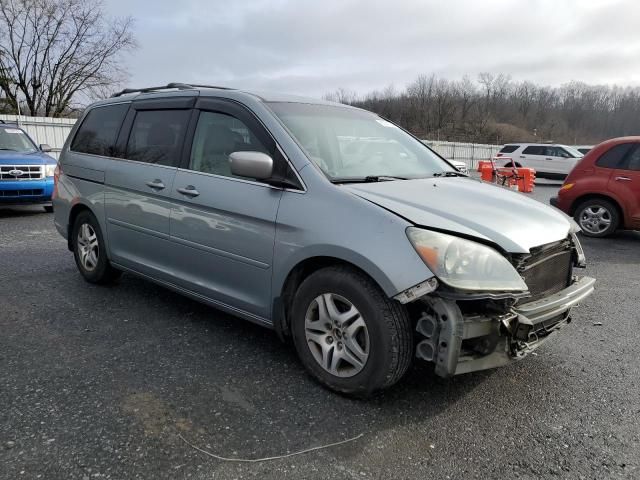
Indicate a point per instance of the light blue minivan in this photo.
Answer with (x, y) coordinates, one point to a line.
(326, 223)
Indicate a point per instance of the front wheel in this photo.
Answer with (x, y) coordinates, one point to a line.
(597, 217)
(89, 250)
(348, 334)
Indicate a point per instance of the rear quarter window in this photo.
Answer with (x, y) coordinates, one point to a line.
(509, 149)
(99, 130)
(614, 157)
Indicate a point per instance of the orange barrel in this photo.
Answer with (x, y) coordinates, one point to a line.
(482, 164)
(528, 181)
(486, 173)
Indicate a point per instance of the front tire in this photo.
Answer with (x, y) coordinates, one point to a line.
(597, 217)
(348, 334)
(89, 250)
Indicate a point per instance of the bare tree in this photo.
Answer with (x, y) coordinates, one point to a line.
(52, 51)
(342, 95)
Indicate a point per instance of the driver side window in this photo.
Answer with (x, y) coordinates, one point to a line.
(218, 135)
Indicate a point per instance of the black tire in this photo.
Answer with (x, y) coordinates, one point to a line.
(594, 204)
(103, 272)
(48, 208)
(510, 165)
(390, 336)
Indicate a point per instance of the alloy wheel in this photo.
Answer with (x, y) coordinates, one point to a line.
(88, 250)
(337, 335)
(595, 219)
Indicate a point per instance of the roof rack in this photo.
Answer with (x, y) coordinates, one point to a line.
(169, 86)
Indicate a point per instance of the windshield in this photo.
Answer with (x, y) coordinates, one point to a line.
(573, 151)
(14, 139)
(347, 143)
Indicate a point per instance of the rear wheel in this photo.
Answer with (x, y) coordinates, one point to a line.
(597, 217)
(89, 250)
(511, 164)
(348, 334)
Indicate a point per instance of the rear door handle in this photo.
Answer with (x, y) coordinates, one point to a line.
(548, 158)
(623, 179)
(189, 191)
(156, 184)
(522, 156)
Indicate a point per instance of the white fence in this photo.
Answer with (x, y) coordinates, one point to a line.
(52, 131)
(470, 153)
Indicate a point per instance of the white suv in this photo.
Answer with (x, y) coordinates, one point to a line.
(548, 160)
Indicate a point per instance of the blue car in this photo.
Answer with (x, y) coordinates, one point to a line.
(26, 171)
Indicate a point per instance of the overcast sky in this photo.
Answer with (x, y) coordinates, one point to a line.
(312, 47)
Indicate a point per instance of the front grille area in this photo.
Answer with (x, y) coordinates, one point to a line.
(34, 192)
(21, 172)
(548, 271)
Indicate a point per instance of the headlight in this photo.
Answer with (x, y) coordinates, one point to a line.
(464, 264)
(49, 170)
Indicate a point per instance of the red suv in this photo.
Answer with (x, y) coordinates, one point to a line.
(602, 192)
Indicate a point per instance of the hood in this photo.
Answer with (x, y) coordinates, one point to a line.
(469, 207)
(8, 157)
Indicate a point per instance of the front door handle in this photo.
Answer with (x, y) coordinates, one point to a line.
(189, 191)
(623, 179)
(156, 184)
(548, 158)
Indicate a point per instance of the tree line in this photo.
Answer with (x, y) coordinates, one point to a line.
(495, 109)
(56, 53)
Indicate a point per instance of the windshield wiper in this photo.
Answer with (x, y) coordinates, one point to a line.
(367, 179)
(450, 174)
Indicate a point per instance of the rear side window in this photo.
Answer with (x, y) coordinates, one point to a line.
(614, 157)
(98, 132)
(509, 149)
(156, 136)
(535, 150)
(633, 160)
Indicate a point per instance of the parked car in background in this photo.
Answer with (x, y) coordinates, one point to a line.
(26, 171)
(460, 166)
(602, 192)
(551, 161)
(365, 256)
(583, 149)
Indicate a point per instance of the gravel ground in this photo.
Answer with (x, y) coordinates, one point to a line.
(102, 382)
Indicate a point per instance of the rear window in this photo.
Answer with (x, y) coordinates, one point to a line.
(156, 136)
(99, 130)
(614, 157)
(535, 150)
(633, 160)
(509, 149)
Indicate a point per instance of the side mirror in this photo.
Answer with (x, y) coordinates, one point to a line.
(44, 147)
(256, 165)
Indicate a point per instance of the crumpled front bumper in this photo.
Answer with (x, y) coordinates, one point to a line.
(459, 343)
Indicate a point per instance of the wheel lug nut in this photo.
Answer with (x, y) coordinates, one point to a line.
(329, 339)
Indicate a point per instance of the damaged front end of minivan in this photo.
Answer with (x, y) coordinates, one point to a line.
(485, 309)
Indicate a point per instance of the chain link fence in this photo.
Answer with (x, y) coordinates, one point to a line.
(470, 153)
